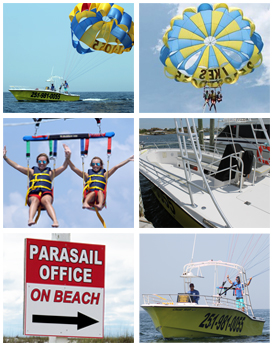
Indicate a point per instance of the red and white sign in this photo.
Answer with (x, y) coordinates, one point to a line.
(64, 289)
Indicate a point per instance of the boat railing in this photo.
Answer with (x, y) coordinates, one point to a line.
(185, 299)
(174, 145)
(176, 180)
(220, 151)
(192, 136)
(254, 148)
(15, 87)
(207, 148)
(165, 177)
(158, 145)
(237, 168)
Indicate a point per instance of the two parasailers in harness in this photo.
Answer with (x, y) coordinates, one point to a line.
(40, 191)
(40, 178)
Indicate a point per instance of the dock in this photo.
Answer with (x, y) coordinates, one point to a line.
(143, 222)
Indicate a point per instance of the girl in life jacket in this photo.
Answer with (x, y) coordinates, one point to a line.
(40, 187)
(95, 181)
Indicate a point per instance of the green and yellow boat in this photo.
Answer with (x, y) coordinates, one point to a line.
(179, 316)
(45, 95)
(42, 95)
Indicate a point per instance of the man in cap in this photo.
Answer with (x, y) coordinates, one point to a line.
(194, 294)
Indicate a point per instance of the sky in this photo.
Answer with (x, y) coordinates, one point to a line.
(68, 186)
(119, 279)
(163, 256)
(37, 39)
(158, 94)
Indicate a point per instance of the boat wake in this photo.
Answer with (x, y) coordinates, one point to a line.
(95, 100)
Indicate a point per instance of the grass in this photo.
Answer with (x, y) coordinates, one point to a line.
(42, 339)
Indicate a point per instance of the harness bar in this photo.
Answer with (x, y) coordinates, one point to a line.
(69, 136)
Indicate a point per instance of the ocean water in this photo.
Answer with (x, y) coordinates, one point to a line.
(158, 139)
(148, 333)
(90, 102)
(154, 211)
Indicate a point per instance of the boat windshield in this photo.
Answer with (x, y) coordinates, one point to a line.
(243, 131)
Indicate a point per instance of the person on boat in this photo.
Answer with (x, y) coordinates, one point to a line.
(213, 99)
(206, 97)
(65, 86)
(95, 181)
(194, 294)
(52, 88)
(239, 288)
(40, 187)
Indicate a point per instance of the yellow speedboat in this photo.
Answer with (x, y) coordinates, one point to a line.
(177, 315)
(55, 95)
(42, 95)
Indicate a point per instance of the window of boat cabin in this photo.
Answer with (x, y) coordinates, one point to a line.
(245, 131)
(226, 132)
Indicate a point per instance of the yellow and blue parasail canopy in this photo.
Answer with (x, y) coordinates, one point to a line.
(102, 27)
(210, 45)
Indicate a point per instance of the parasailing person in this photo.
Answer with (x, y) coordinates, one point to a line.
(40, 191)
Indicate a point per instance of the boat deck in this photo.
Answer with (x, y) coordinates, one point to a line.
(248, 208)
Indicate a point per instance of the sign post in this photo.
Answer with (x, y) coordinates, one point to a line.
(59, 339)
(64, 289)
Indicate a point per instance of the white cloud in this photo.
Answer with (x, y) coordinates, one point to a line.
(15, 214)
(260, 15)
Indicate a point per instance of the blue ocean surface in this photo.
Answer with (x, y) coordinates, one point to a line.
(90, 102)
(148, 333)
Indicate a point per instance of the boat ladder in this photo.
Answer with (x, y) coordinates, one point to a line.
(192, 135)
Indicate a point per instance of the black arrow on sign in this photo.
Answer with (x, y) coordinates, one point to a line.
(81, 320)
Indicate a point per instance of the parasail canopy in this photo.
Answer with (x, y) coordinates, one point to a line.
(210, 46)
(101, 27)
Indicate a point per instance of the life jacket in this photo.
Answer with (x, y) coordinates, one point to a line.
(40, 182)
(239, 290)
(95, 181)
(213, 97)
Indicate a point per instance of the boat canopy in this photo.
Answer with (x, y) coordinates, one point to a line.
(190, 268)
(187, 271)
(190, 275)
